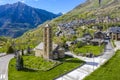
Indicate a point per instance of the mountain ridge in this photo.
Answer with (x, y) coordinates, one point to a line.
(17, 18)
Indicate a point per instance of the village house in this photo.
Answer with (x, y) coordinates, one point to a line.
(87, 36)
(99, 35)
(114, 33)
(98, 38)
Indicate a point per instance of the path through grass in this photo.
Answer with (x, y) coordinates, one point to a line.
(109, 71)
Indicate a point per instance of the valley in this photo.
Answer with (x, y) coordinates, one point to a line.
(78, 45)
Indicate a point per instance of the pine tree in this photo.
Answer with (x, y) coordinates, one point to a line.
(19, 62)
(22, 52)
(28, 50)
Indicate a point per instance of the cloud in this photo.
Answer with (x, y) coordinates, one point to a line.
(22, 1)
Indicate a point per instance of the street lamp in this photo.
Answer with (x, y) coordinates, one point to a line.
(93, 61)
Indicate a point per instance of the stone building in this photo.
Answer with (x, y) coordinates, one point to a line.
(99, 35)
(47, 38)
(87, 36)
(99, 38)
(114, 33)
(47, 49)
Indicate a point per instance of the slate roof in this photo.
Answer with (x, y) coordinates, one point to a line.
(114, 29)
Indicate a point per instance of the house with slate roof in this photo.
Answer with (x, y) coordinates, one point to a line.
(114, 33)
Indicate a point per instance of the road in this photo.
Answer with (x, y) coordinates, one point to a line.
(4, 61)
(2, 54)
(91, 64)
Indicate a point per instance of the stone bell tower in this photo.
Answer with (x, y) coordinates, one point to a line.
(100, 2)
(47, 39)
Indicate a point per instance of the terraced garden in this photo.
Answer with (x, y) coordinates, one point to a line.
(68, 64)
(38, 63)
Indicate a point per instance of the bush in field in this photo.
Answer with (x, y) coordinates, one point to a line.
(80, 44)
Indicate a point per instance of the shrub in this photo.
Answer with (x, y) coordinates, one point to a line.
(10, 50)
(19, 62)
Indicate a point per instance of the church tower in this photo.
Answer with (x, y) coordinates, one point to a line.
(100, 2)
(47, 39)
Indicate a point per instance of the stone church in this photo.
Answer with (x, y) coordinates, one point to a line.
(47, 49)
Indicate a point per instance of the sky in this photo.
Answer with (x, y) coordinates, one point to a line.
(54, 6)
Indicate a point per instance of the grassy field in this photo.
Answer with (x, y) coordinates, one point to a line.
(96, 50)
(38, 63)
(109, 71)
(67, 65)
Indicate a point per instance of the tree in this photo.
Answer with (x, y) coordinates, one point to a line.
(10, 50)
(19, 62)
(22, 52)
(28, 50)
(74, 38)
(80, 44)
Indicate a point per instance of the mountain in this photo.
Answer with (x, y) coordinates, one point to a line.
(87, 12)
(17, 18)
(60, 13)
(93, 9)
